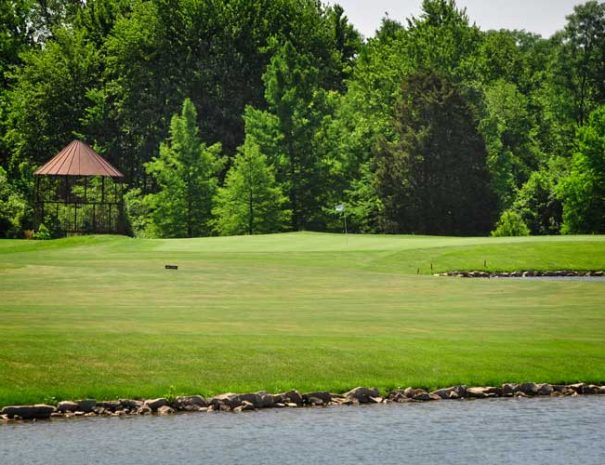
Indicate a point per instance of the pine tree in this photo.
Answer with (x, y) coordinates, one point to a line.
(186, 175)
(251, 202)
(434, 178)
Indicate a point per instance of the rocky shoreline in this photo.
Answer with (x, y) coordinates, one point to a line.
(292, 399)
(524, 274)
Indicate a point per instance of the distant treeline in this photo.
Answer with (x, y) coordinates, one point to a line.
(254, 116)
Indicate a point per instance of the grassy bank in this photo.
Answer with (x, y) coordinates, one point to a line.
(100, 317)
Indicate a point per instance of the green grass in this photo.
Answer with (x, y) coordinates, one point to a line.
(100, 317)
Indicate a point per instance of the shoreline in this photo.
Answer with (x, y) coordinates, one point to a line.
(525, 274)
(236, 403)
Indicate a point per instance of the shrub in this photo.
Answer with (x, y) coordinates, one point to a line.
(42, 234)
(510, 224)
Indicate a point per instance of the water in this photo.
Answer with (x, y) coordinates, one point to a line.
(500, 431)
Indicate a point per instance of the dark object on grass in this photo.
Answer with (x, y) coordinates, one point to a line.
(172, 267)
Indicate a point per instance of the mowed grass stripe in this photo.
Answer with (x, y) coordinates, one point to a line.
(100, 317)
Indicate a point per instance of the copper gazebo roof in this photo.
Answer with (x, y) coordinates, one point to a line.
(78, 159)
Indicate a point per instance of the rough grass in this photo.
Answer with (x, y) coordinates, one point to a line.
(101, 317)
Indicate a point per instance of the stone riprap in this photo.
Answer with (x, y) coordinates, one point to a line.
(231, 402)
(524, 274)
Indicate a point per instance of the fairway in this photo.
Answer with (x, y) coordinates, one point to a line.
(101, 317)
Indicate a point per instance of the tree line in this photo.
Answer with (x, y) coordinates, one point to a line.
(258, 116)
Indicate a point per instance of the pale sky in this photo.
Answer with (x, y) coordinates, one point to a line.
(540, 16)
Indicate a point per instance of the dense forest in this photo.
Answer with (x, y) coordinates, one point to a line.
(258, 116)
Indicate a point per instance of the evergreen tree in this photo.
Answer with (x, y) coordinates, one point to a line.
(251, 202)
(434, 179)
(186, 176)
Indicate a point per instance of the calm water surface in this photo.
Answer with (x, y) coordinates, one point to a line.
(529, 431)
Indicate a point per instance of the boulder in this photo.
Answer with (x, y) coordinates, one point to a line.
(324, 396)
(290, 397)
(225, 401)
(86, 405)
(111, 405)
(130, 404)
(376, 400)
(165, 410)
(155, 404)
(483, 392)
(545, 389)
(266, 399)
(509, 389)
(314, 401)
(425, 396)
(530, 389)
(602, 390)
(67, 406)
(29, 412)
(244, 406)
(254, 398)
(454, 392)
(591, 389)
(190, 403)
(411, 393)
(578, 387)
(397, 395)
(362, 394)
(144, 410)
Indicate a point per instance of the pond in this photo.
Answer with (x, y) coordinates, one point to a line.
(500, 431)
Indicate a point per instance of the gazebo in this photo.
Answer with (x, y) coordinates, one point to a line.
(79, 192)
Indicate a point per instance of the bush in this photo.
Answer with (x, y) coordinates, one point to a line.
(137, 213)
(510, 224)
(13, 208)
(42, 234)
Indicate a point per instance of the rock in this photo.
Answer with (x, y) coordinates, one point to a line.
(411, 393)
(56, 415)
(454, 392)
(314, 401)
(244, 406)
(425, 396)
(67, 406)
(291, 405)
(129, 404)
(397, 395)
(279, 405)
(190, 403)
(254, 398)
(362, 394)
(530, 389)
(578, 387)
(29, 412)
(266, 399)
(591, 389)
(86, 405)
(165, 410)
(520, 394)
(288, 397)
(509, 389)
(143, 410)
(324, 396)
(545, 389)
(228, 400)
(483, 392)
(602, 390)
(376, 400)
(111, 405)
(155, 404)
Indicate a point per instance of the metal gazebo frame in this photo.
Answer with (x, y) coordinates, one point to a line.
(70, 191)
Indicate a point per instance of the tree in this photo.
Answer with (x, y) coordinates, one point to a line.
(512, 153)
(583, 191)
(299, 105)
(186, 176)
(13, 208)
(538, 204)
(251, 202)
(581, 63)
(434, 179)
(510, 224)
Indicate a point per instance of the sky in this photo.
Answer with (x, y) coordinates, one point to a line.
(543, 17)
